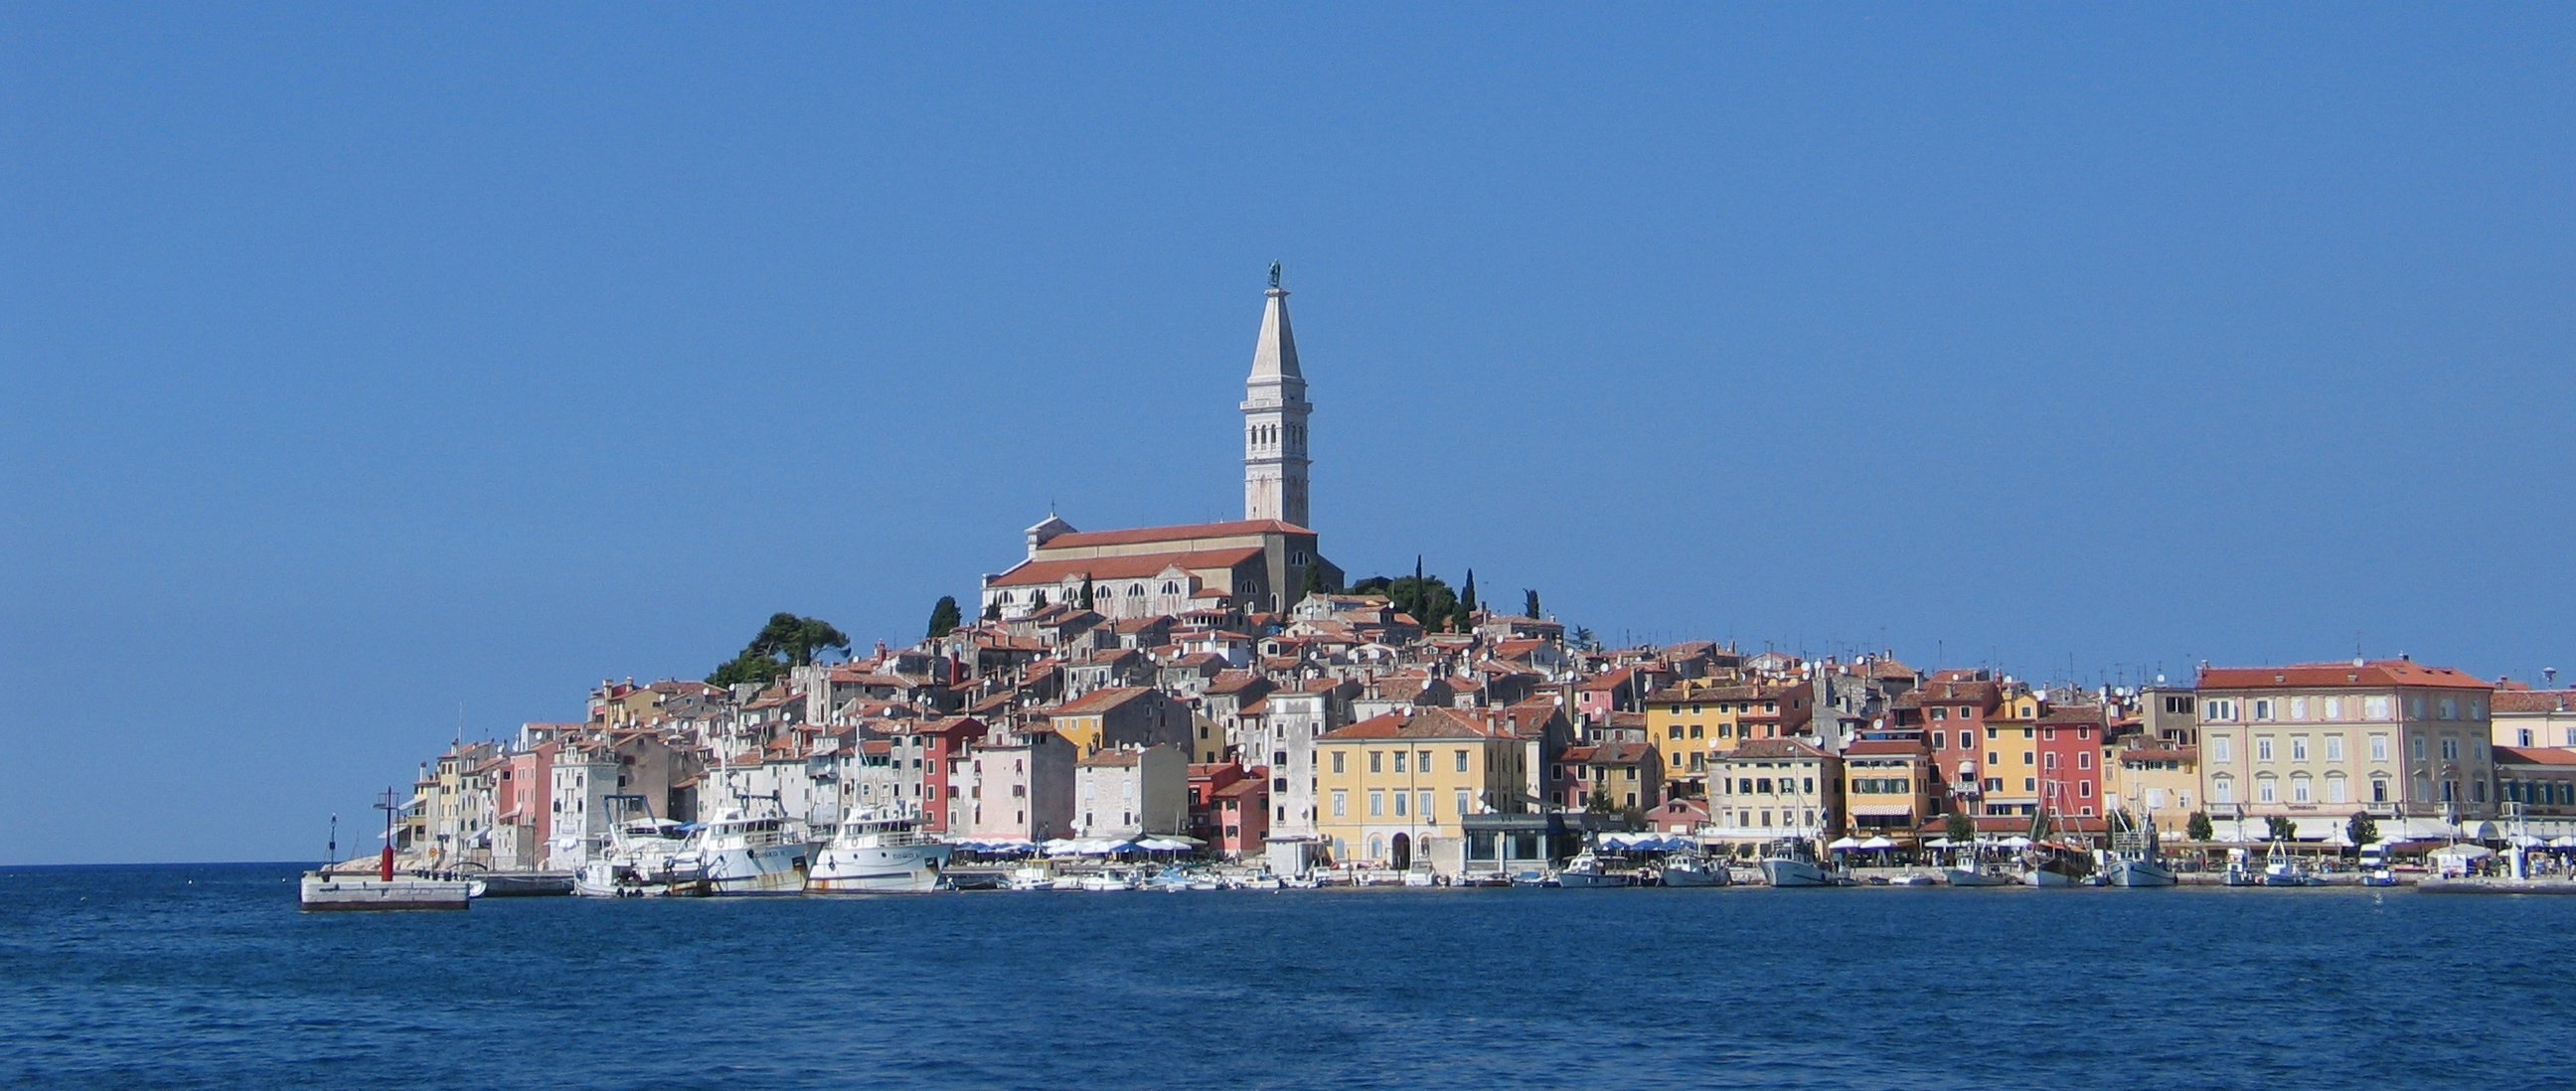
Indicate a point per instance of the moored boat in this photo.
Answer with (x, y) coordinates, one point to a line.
(1695, 869)
(878, 853)
(742, 853)
(1794, 863)
(2135, 858)
(1586, 872)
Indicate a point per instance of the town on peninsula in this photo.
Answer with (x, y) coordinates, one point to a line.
(1218, 704)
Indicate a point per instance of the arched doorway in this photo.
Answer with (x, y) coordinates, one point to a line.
(1402, 857)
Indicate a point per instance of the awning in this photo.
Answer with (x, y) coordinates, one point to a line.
(1877, 843)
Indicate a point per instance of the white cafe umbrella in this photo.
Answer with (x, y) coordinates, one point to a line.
(2567, 842)
(2464, 852)
(1840, 844)
(1875, 843)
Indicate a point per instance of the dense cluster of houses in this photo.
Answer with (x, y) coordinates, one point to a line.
(1206, 681)
(1350, 728)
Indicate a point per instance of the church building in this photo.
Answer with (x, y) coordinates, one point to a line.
(1258, 563)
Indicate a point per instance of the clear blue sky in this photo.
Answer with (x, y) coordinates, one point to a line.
(365, 364)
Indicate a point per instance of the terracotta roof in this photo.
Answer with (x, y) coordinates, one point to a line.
(1181, 533)
(1427, 723)
(2536, 700)
(1884, 748)
(1246, 786)
(2535, 755)
(1112, 758)
(1137, 567)
(1771, 749)
(2373, 674)
(1101, 700)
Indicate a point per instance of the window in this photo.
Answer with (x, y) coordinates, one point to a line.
(2334, 748)
(2450, 708)
(1377, 761)
(1399, 804)
(1422, 804)
(1940, 713)
(1377, 803)
(1990, 734)
(2267, 790)
(2417, 745)
(2262, 708)
(1673, 732)
(2379, 748)
(2298, 748)
(1462, 762)
(1399, 761)
(2262, 748)
(1337, 762)
(1993, 758)
(2030, 784)
(1462, 801)
(2298, 708)
(2334, 708)
(2299, 790)
(2221, 748)
(2337, 790)
(2450, 750)
(1937, 744)
(2051, 763)
(2218, 710)
(2377, 708)
(2083, 759)
(2222, 789)
(2084, 789)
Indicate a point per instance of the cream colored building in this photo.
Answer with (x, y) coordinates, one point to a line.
(2526, 718)
(2315, 742)
(1389, 785)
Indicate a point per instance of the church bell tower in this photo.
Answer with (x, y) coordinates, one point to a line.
(1274, 419)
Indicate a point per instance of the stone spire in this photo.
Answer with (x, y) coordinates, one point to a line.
(1274, 419)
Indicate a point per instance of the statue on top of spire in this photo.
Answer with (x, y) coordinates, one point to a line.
(1274, 274)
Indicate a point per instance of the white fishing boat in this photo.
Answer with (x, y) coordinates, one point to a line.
(1105, 882)
(1586, 872)
(1035, 875)
(740, 852)
(1695, 869)
(1980, 863)
(874, 852)
(2135, 859)
(2280, 868)
(640, 857)
(1794, 862)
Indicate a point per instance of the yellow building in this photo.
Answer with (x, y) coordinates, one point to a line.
(1387, 784)
(2008, 761)
(1887, 788)
(1694, 721)
(2160, 779)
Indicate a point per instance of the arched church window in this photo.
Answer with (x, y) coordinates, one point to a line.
(1135, 589)
(1171, 588)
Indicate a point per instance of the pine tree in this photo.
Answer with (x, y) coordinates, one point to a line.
(1087, 599)
(2199, 829)
(1529, 602)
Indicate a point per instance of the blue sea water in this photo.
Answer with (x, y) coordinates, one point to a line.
(208, 976)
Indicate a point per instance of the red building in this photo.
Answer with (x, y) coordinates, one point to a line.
(1230, 807)
(1951, 711)
(939, 747)
(2070, 760)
